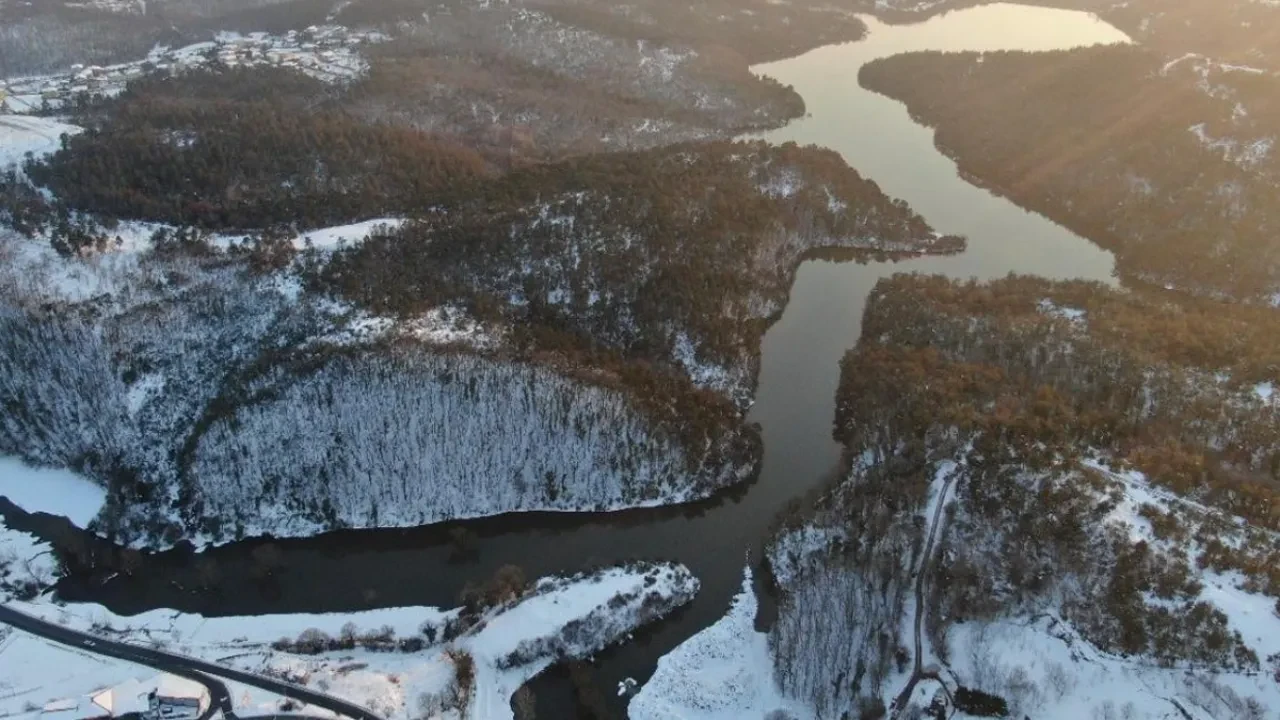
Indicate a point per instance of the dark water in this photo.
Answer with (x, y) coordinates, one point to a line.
(795, 404)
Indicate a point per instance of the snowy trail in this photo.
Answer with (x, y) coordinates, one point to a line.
(922, 581)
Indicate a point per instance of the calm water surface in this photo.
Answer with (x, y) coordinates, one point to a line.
(795, 406)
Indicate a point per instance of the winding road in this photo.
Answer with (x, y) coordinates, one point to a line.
(191, 668)
(922, 581)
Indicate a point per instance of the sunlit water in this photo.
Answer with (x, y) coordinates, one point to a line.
(795, 406)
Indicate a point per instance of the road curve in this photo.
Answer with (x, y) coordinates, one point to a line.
(188, 667)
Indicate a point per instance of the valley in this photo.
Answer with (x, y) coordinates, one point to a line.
(476, 366)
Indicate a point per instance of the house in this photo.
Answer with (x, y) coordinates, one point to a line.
(161, 697)
(177, 698)
(129, 697)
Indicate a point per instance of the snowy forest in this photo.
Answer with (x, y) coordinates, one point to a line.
(406, 438)
(1116, 410)
(680, 256)
(223, 407)
(228, 385)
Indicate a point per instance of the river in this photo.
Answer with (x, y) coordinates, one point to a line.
(795, 403)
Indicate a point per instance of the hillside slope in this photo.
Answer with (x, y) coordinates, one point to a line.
(1101, 471)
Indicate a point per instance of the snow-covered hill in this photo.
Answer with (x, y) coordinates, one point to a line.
(1105, 544)
(414, 438)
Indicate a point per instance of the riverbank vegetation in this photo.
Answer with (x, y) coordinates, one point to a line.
(1109, 454)
(1117, 143)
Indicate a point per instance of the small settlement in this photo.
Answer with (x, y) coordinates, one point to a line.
(325, 52)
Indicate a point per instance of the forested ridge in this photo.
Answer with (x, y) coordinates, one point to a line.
(1042, 400)
(679, 257)
(211, 404)
(1119, 144)
(625, 293)
(246, 149)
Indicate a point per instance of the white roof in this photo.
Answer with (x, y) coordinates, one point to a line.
(179, 687)
(129, 696)
(105, 700)
(72, 709)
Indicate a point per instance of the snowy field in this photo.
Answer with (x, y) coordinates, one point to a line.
(558, 618)
(20, 136)
(55, 492)
(724, 672)
(1044, 670)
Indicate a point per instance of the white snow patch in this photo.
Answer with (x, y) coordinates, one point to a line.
(143, 390)
(1046, 671)
(345, 235)
(1075, 315)
(55, 492)
(724, 672)
(706, 375)
(1265, 391)
(1245, 154)
(20, 135)
(783, 185)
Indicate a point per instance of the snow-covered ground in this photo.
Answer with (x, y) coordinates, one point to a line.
(1046, 671)
(1252, 614)
(26, 564)
(344, 235)
(38, 673)
(56, 492)
(724, 672)
(20, 136)
(38, 272)
(558, 618)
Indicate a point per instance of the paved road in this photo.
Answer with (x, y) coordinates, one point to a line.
(922, 581)
(192, 668)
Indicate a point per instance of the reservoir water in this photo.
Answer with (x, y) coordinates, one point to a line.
(357, 570)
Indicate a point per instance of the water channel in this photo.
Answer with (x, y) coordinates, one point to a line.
(357, 570)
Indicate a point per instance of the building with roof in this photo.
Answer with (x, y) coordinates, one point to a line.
(177, 698)
(162, 697)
